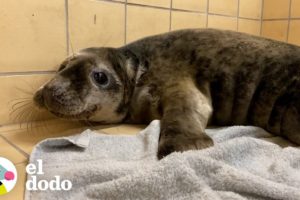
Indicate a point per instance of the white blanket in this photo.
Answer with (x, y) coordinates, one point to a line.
(239, 166)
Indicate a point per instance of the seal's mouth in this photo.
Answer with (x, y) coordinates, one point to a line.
(84, 115)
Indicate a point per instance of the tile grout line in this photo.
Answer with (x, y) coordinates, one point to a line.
(67, 26)
(231, 16)
(238, 16)
(261, 17)
(281, 19)
(289, 21)
(26, 73)
(15, 146)
(20, 127)
(170, 19)
(162, 8)
(19, 163)
(207, 9)
(189, 11)
(136, 4)
(125, 25)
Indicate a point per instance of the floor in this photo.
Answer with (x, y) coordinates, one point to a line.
(17, 141)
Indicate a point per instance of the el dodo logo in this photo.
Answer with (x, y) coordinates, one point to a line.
(33, 183)
(8, 176)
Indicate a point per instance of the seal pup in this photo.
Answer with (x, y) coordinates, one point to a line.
(188, 79)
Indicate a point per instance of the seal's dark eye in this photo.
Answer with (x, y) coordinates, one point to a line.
(100, 78)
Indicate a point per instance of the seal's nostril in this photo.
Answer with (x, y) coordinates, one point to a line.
(38, 98)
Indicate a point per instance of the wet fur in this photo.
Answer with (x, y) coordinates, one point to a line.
(192, 78)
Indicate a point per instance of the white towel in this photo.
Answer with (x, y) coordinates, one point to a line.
(239, 166)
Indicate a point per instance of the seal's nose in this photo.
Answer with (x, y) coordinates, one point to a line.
(39, 99)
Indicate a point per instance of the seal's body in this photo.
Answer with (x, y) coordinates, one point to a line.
(188, 79)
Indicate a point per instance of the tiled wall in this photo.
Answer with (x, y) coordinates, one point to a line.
(36, 35)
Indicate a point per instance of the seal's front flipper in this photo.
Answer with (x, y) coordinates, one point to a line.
(182, 143)
(186, 111)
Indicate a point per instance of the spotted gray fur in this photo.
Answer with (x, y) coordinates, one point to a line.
(188, 79)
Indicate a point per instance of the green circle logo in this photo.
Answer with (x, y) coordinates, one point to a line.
(8, 176)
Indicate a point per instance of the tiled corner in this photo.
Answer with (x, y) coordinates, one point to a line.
(249, 26)
(294, 33)
(96, 23)
(223, 7)
(295, 8)
(18, 191)
(275, 29)
(17, 91)
(192, 5)
(158, 3)
(250, 9)
(144, 21)
(182, 20)
(221, 22)
(26, 139)
(9, 152)
(276, 9)
(28, 42)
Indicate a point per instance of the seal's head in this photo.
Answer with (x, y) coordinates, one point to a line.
(91, 85)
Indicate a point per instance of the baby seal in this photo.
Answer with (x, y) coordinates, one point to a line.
(188, 79)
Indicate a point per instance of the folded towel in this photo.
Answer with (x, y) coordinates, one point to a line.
(100, 166)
